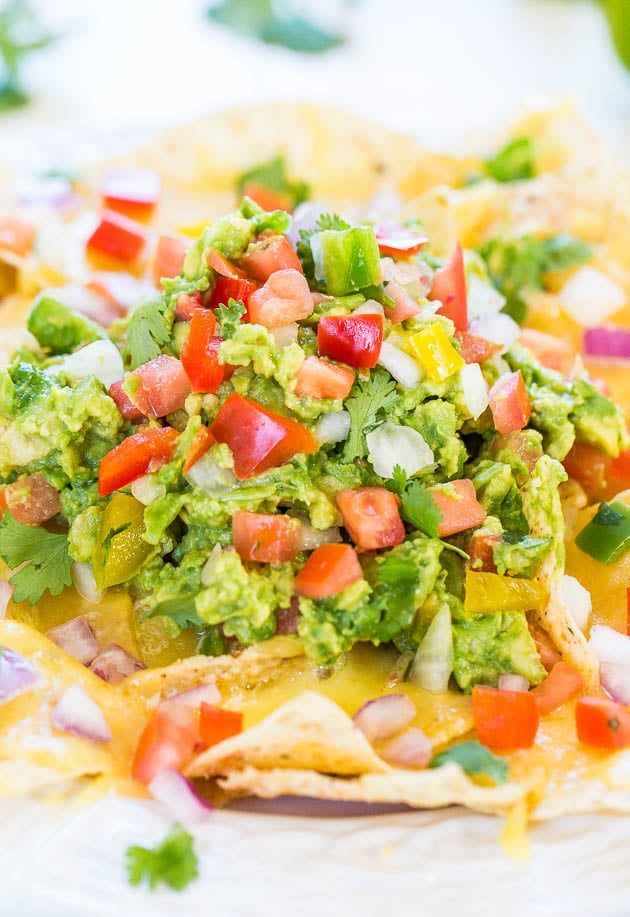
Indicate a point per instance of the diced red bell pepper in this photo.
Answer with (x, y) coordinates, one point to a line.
(398, 241)
(200, 353)
(265, 537)
(329, 569)
(561, 685)
(163, 386)
(550, 351)
(217, 724)
(475, 349)
(589, 467)
(164, 742)
(202, 441)
(318, 379)
(170, 254)
(602, 723)
(406, 306)
(460, 508)
(371, 517)
(267, 198)
(124, 403)
(284, 298)
(32, 500)
(449, 286)
(16, 235)
(227, 288)
(144, 452)
(504, 719)
(258, 438)
(223, 267)
(352, 339)
(509, 403)
(131, 190)
(117, 238)
(270, 254)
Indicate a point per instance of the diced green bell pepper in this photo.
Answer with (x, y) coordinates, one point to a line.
(59, 329)
(346, 260)
(607, 536)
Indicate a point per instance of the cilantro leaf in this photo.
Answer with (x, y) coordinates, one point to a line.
(368, 401)
(180, 610)
(273, 175)
(419, 509)
(607, 515)
(259, 19)
(474, 759)
(45, 555)
(515, 161)
(149, 330)
(229, 318)
(399, 480)
(20, 35)
(173, 862)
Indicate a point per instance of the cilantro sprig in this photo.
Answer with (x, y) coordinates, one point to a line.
(368, 403)
(419, 508)
(47, 563)
(514, 162)
(179, 610)
(475, 759)
(274, 25)
(173, 862)
(273, 175)
(229, 318)
(149, 330)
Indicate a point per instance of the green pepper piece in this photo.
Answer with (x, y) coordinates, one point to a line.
(121, 549)
(618, 13)
(606, 537)
(346, 260)
(59, 329)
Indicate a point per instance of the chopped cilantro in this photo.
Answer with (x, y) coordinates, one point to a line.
(229, 318)
(606, 515)
(273, 175)
(149, 330)
(180, 610)
(107, 541)
(261, 20)
(173, 862)
(369, 400)
(419, 508)
(515, 161)
(45, 555)
(474, 759)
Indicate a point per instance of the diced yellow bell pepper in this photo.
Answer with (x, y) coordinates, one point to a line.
(489, 592)
(193, 231)
(121, 549)
(434, 352)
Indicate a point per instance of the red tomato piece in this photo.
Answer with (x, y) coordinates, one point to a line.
(352, 339)
(397, 241)
(284, 298)
(371, 517)
(222, 266)
(169, 257)
(406, 306)
(546, 649)
(227, 288)
(117, 237)
(216, 724)
(164, 742)
(563, 683)
(163, 386)
(459, 506)
(131, 190)
(504, 719)
(619, 471)
(549, 350)
(329, 569)
(449, 286)
(3, 502)
(124, 403)
(589, 467)
(137, 455)
(267, 198)
(202, 441)
(509, 403)
(270, 254)
(481, 552)
(265, 538)
(186, 305)
(475, 349)
(318, 379)
(602, 723)
(200, 353)
(16, 235)
(258, 438)
(32, 500)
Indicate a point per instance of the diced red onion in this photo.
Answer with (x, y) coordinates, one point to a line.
(410, 749)
(17, 675)
(512, 682)
(177, 794)
(114, 663)
(305, 217)
(85, 584)
(577, 599)
(192, 699)
(287, 619)
(615, 680)
(607, 342)
(76, 638)
(498, 328)
(612, 649)
(590, 296)
(380, 718)
(433, 662)
(51, 190)
(400, 365)
(392, 444)
(6, 591)
(77, 713)
(475, 389)
(333, 427)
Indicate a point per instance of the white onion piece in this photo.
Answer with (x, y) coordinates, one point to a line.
(101, 359)
(615, 680)
(114, 663)
(590, 297)
(483, 298)
(85, 584)
(577, 599)
(17, 675)
(77, 713)
(76, 638)
(284, 335)
(370, 307)
(193, 698)
(392, 444)
(509, 681)
(147, 489)
(305, 217)
(381, 718)
(475, 389)
(332, 428)
(498, 328)
(6, 591)
(411, 749)
(207, 571)
(400, 365)
(311, 538)
(176, 794)
(211, 479)
(433, 664)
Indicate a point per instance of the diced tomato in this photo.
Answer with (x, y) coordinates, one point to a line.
(546, 650)
(352, 339)
(265, 538)
(136, 456)
(170, 254)
(481, 552)
(459, 506)
(3, 502)
(163, 386)
(118, 238)
(371, 517)
(186, 305)
(619, 471)
(504, 719)
(398, 241)
(406, 306)
(449, 286)
(589, 467)
(475, 349)
(124, 403)
(602, 723)
(227, 288)
(200, 353)
(258, 438)
(164, 742)
(32, 500)
(284, 298)
(329, 569)
(216, 724)
(272, 253)
(563, 683)
(318, 379)
(550, 351)
(202, 441)
(16, 235)
(223, 267)
(267, 198)
(509, 403)
(131, 190)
